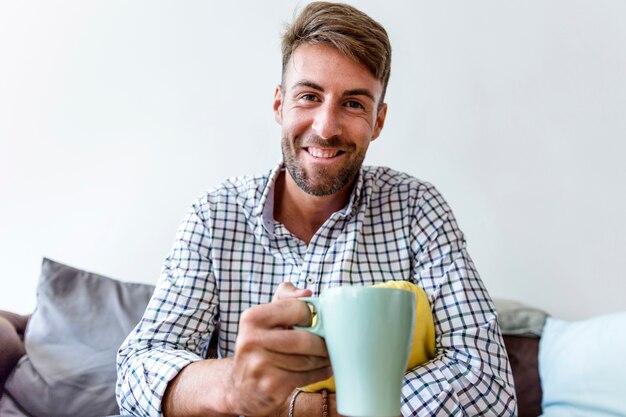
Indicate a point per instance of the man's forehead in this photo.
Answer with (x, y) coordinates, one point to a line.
(324, 65)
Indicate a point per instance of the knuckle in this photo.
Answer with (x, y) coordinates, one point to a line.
(269, 387)
(246, 316)
(258, 366)
(249, 317)
(248, 341)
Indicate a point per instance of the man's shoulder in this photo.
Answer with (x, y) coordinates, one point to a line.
(241, 185)
(386, 186)
(382, 179)
(245, 190)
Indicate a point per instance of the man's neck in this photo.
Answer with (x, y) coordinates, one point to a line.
(302, 213)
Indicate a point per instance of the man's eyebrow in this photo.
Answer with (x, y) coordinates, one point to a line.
(360, 92)
(307, 83)
(355, 92)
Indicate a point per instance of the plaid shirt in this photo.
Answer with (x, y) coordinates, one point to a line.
(230, 255)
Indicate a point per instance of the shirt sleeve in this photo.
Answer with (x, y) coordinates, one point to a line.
(470, 374)
(177, 325)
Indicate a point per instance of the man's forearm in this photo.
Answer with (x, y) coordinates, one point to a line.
(186, 395)
(269, 361)
(185, 398)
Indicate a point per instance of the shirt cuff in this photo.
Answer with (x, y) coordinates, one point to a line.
(147, 377)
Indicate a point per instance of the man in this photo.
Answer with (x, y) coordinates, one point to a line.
(251, 246)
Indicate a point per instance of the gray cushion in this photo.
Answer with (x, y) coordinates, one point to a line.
(71, 341)
(519, 319)
(8, 407)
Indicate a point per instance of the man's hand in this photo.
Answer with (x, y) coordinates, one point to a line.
(271, 359)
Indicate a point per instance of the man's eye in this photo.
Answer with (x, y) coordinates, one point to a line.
(308, 97)
(354, 104)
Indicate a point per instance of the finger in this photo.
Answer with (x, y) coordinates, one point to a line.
(302, 379)
(288, 290)
(287, 341)
(296, 363)
(283, 313)
(295, 379)
(293, 341)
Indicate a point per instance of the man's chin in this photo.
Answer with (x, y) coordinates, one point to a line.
(321, 181)
(322, 188)
(316, 188)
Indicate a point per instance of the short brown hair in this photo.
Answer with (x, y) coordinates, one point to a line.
(351, 31)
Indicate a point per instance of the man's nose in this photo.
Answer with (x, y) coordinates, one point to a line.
(327, 122)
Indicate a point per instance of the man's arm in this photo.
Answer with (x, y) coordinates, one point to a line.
(470, 374)
(306, 404)
(270, 361)
(162, 365)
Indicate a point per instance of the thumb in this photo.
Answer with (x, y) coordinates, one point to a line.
(288, 290)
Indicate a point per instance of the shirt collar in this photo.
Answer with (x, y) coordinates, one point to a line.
(353, 203)
(264, 211)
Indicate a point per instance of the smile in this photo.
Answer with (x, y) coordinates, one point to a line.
(323, 153)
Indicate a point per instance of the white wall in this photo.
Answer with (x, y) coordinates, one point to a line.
(115, 115)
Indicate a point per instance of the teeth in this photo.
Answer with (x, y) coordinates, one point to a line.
(323, 153)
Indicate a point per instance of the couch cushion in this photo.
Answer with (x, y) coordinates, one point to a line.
(582, 366)
(71, 342)
(519, 319)
(8, 407)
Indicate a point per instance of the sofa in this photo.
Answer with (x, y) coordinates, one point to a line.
(81, 318)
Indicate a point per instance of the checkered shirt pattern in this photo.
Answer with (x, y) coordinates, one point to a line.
(230, 254)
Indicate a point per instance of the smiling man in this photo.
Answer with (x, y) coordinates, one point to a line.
(248, 248)
(330, 108)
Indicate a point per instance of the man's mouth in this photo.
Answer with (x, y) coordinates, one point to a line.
(324, 153)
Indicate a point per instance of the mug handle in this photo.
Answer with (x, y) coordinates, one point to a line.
(317, 327)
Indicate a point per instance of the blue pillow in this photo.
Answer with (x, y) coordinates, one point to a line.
(583, 367)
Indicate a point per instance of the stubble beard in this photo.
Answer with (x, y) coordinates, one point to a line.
(329, 185)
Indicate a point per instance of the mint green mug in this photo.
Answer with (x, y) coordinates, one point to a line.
(368, 333)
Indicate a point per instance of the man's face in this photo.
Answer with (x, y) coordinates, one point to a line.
(328, 109)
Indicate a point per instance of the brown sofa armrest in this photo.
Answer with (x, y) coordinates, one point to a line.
(523, 352)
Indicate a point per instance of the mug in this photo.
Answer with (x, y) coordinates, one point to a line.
(368, 333)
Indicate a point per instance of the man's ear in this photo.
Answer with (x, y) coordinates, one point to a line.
(278, 105)
(380, 121)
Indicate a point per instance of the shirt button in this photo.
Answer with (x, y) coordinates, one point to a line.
(309, 280)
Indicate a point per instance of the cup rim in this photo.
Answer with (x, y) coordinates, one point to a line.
(368, 288)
